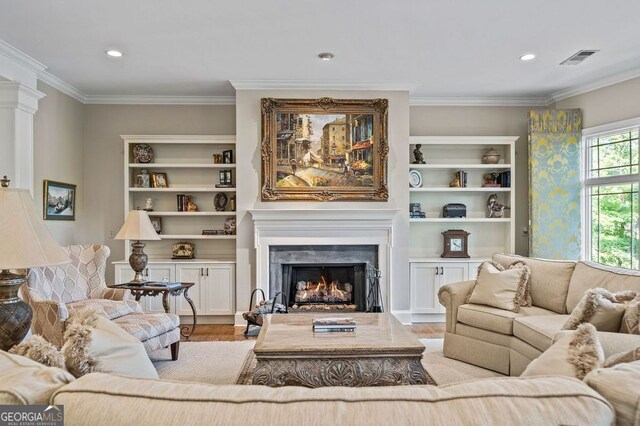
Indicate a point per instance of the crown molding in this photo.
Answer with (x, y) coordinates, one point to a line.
(315, 85)
(593, 85)
(159, 100)
(20, 57)
(476, 101)
(18, 95)
(63, 86)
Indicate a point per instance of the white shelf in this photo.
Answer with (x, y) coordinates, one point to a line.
(181, 166)
(460, 220)
(185, 189)
(450, 189)
(436, 258)
(460, 166)
(463, 140)
(178, 214)
(181, 139)
(169, 260)
(197, 237)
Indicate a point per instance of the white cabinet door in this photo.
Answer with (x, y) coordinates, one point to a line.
(452, 273)
(425, 282)
(158, 272)
(191, 273)
(473, 270)
(219, 289)
(124, 274)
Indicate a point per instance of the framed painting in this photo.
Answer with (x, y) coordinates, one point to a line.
(59, 201)
(324, 149)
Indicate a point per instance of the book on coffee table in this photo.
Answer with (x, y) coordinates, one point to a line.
(327, 325)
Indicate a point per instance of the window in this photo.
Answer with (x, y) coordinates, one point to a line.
(612, 210)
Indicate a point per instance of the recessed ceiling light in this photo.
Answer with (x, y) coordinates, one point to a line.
(114, 53)
(326, 56)
(527, 57)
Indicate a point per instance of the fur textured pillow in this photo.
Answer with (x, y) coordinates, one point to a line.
(78, 360)
(629, 356)
(501, 288)
(39, 350)
(574, 355)
(601, 308)
(631, 317)
(94, 343)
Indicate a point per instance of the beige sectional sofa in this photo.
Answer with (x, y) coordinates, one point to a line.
(102, 399)
(507, 342)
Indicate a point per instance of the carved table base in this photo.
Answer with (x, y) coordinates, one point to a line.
(353, 372)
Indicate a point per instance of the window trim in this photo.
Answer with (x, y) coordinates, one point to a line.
(587, 182)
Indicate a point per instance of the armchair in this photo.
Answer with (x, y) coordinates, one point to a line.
(58, 293)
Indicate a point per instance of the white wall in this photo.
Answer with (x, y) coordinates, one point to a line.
(485, 121)
(248, 131)
(59, 155)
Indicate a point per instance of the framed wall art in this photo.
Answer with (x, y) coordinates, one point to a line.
(59, 201)
(324, 149)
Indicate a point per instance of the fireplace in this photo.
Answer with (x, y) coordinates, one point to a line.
(317, 287)
(325, 278)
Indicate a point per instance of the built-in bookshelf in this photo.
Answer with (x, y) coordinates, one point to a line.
(188, 162)
(445, 158)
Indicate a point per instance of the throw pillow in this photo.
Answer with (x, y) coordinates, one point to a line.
(573, 355)
(601, 308)
(39, 350)
(631, 317)
(94, 343)
(27, 382)
(622, 357)
(500, 288)
(619, 385)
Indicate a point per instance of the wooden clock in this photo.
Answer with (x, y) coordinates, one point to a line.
(456, 243)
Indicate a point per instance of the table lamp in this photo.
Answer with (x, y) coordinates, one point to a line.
(25, 242)
(138, 227)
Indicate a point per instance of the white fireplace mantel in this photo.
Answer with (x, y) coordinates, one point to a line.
(329, 226)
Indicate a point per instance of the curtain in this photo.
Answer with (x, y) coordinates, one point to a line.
(554, 184)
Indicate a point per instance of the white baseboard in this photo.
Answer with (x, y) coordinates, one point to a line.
(207, 319)
(425, 318)
(403, 316)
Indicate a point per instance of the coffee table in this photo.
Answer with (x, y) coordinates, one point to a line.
(381, 352)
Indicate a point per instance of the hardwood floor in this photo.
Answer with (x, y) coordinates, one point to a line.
(229, 333)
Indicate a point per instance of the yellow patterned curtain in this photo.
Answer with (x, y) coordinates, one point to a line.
(554, 183)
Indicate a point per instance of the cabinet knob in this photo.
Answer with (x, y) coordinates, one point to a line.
(441, 270)
(437, 271)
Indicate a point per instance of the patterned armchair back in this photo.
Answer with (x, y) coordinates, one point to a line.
(83, 278)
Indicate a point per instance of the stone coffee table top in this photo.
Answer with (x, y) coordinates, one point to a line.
(376, 334)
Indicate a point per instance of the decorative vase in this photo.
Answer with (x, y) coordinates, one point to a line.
(143, 179)
(15, 314)
(491, 157)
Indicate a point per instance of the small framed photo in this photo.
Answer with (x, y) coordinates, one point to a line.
(159, 180)
(227, 177)
(156, 221)
(227, 156)
(59, 201)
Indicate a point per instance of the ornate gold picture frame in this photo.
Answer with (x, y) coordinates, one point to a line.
(324, 149)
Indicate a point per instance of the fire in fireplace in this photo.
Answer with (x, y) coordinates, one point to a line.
(313, 287)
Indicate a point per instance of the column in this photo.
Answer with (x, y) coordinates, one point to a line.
(18, 104)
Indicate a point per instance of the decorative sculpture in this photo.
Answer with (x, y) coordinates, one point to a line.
(495, 208)
(417, 155)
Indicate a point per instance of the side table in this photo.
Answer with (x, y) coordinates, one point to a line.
(154, 289)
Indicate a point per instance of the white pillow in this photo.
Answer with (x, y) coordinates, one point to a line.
(500, 288)
(94, 343)
(573, 355)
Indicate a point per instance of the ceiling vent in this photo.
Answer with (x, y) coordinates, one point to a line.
(578, 57)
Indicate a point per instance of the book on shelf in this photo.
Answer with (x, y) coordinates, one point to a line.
(504, 179)
(461, 176)
(224, 185)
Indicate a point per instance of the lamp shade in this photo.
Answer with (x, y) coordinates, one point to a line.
(137, 226)
(25, 241)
